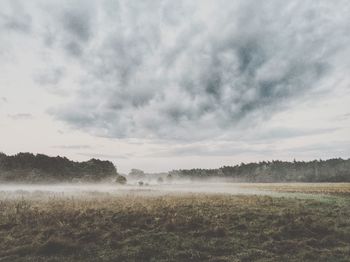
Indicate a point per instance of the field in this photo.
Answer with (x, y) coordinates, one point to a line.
(340, 189)
(267, 222)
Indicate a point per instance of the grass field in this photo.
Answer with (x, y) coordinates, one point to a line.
(340, 189)
(179, 227)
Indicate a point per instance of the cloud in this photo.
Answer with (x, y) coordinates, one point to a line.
(214, 71)
(19, 24)
(20, 116)
(70, 25)
(211, 149)
(106, 156)
(3, 100)
(327, 149)
(52, 77)
(13, 18)
(73, 147)
(260, 143)
(279, 133)
(191, 69)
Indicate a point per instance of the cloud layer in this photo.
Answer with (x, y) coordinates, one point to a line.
(187, 70)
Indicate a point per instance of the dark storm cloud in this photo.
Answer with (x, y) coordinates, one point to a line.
(194, 69)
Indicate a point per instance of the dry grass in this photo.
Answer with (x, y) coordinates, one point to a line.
(342, 189)
(174, 228)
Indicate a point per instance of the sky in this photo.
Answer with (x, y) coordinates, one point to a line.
(161, 84)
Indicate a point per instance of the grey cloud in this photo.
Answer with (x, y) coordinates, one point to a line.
(20, 24)
(262, 150)
(73, 48)
(20, 116)
(69, 25)
(72, 147)
(50, 77)
(258, 142)
(285, 133)
(327, 149)
(107, 156)
(3, 100)
(341, 117)
(77, 23)
(13, 17)
(196, 69)
(212, 149)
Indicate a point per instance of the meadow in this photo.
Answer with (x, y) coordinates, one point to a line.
(259, 222)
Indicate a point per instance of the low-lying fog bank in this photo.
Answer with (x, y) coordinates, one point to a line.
(10, 190)
(179, 188)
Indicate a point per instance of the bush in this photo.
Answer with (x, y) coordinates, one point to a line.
(121, 180)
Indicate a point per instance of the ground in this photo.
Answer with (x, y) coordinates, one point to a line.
(297, 226)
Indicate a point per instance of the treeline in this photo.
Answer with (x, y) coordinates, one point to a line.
(332, 170)
(27, 167)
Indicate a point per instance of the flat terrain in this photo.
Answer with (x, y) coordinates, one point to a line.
(340, 189)
(252, 222)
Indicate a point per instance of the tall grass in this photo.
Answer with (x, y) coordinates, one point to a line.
(192, 227)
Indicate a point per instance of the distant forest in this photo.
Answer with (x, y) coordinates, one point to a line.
(332, 170)
(27, 167)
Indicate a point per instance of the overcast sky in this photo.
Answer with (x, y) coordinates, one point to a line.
(163, 84)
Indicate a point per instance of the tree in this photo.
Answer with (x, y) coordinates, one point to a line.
(136, 173)
(120, 180)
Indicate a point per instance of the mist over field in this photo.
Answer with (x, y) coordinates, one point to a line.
(174, 130)
(178, 222)
(81, 190)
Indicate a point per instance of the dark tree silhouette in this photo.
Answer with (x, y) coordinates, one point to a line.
(332, 170)
(27, 167)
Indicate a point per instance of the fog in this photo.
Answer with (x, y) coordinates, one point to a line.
(82, 190)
